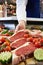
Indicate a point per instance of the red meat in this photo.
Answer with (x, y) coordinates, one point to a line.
(16, 36)
(26, 50)
(22, 51)
(18, 43)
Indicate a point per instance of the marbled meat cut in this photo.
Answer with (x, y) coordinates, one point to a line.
(16, 36)
(20, 34)
(18, 43)
(22, 51)
(25, 50)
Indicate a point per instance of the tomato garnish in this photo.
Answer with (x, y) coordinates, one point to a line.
(41, 40)
(26, 35)
(38, 44)
(30, 39)
(35, 40)
(7, 43)
(2, 39)
(8, 48)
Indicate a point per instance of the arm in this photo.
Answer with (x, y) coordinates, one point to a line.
(21, 10)
(21, 13)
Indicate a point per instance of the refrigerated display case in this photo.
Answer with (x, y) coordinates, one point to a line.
(10, 23)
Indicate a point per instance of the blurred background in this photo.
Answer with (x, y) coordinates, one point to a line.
(11, 7)
(8, 9)
(41, 8)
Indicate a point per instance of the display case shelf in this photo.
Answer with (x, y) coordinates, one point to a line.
(15, 18)
(8, 18)
(35, 19)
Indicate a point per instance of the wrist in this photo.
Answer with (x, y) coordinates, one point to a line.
(22, 22)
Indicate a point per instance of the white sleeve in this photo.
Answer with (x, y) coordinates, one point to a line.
(21, 9)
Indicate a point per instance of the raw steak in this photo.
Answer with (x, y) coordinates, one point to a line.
(21, 33)
(18, 43)
(20, 52)
(25, 50)
(18, 35)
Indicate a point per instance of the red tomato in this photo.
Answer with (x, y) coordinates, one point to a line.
(41, 40)
(1, 43)
(30, 39)
(6, 34)
(7, 43)
(35, 40)
(8, 48)
(26, 35)
(37, 44)
(2, 39)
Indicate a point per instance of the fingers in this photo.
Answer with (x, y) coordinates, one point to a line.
(19, 27)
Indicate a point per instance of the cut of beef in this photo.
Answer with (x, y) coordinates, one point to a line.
(20, 53)
(20, 34)
(16, 36)
(25, 50)
(17, 43)
(35, 32)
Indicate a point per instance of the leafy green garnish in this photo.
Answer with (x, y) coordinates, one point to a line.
(10, 33)
(5, 31)
(2, 46)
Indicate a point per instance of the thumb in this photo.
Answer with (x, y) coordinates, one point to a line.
(17, 28)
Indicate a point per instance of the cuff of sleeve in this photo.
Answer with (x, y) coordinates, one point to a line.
(24, 19)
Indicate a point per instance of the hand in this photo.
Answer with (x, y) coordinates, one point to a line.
(20, 26)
